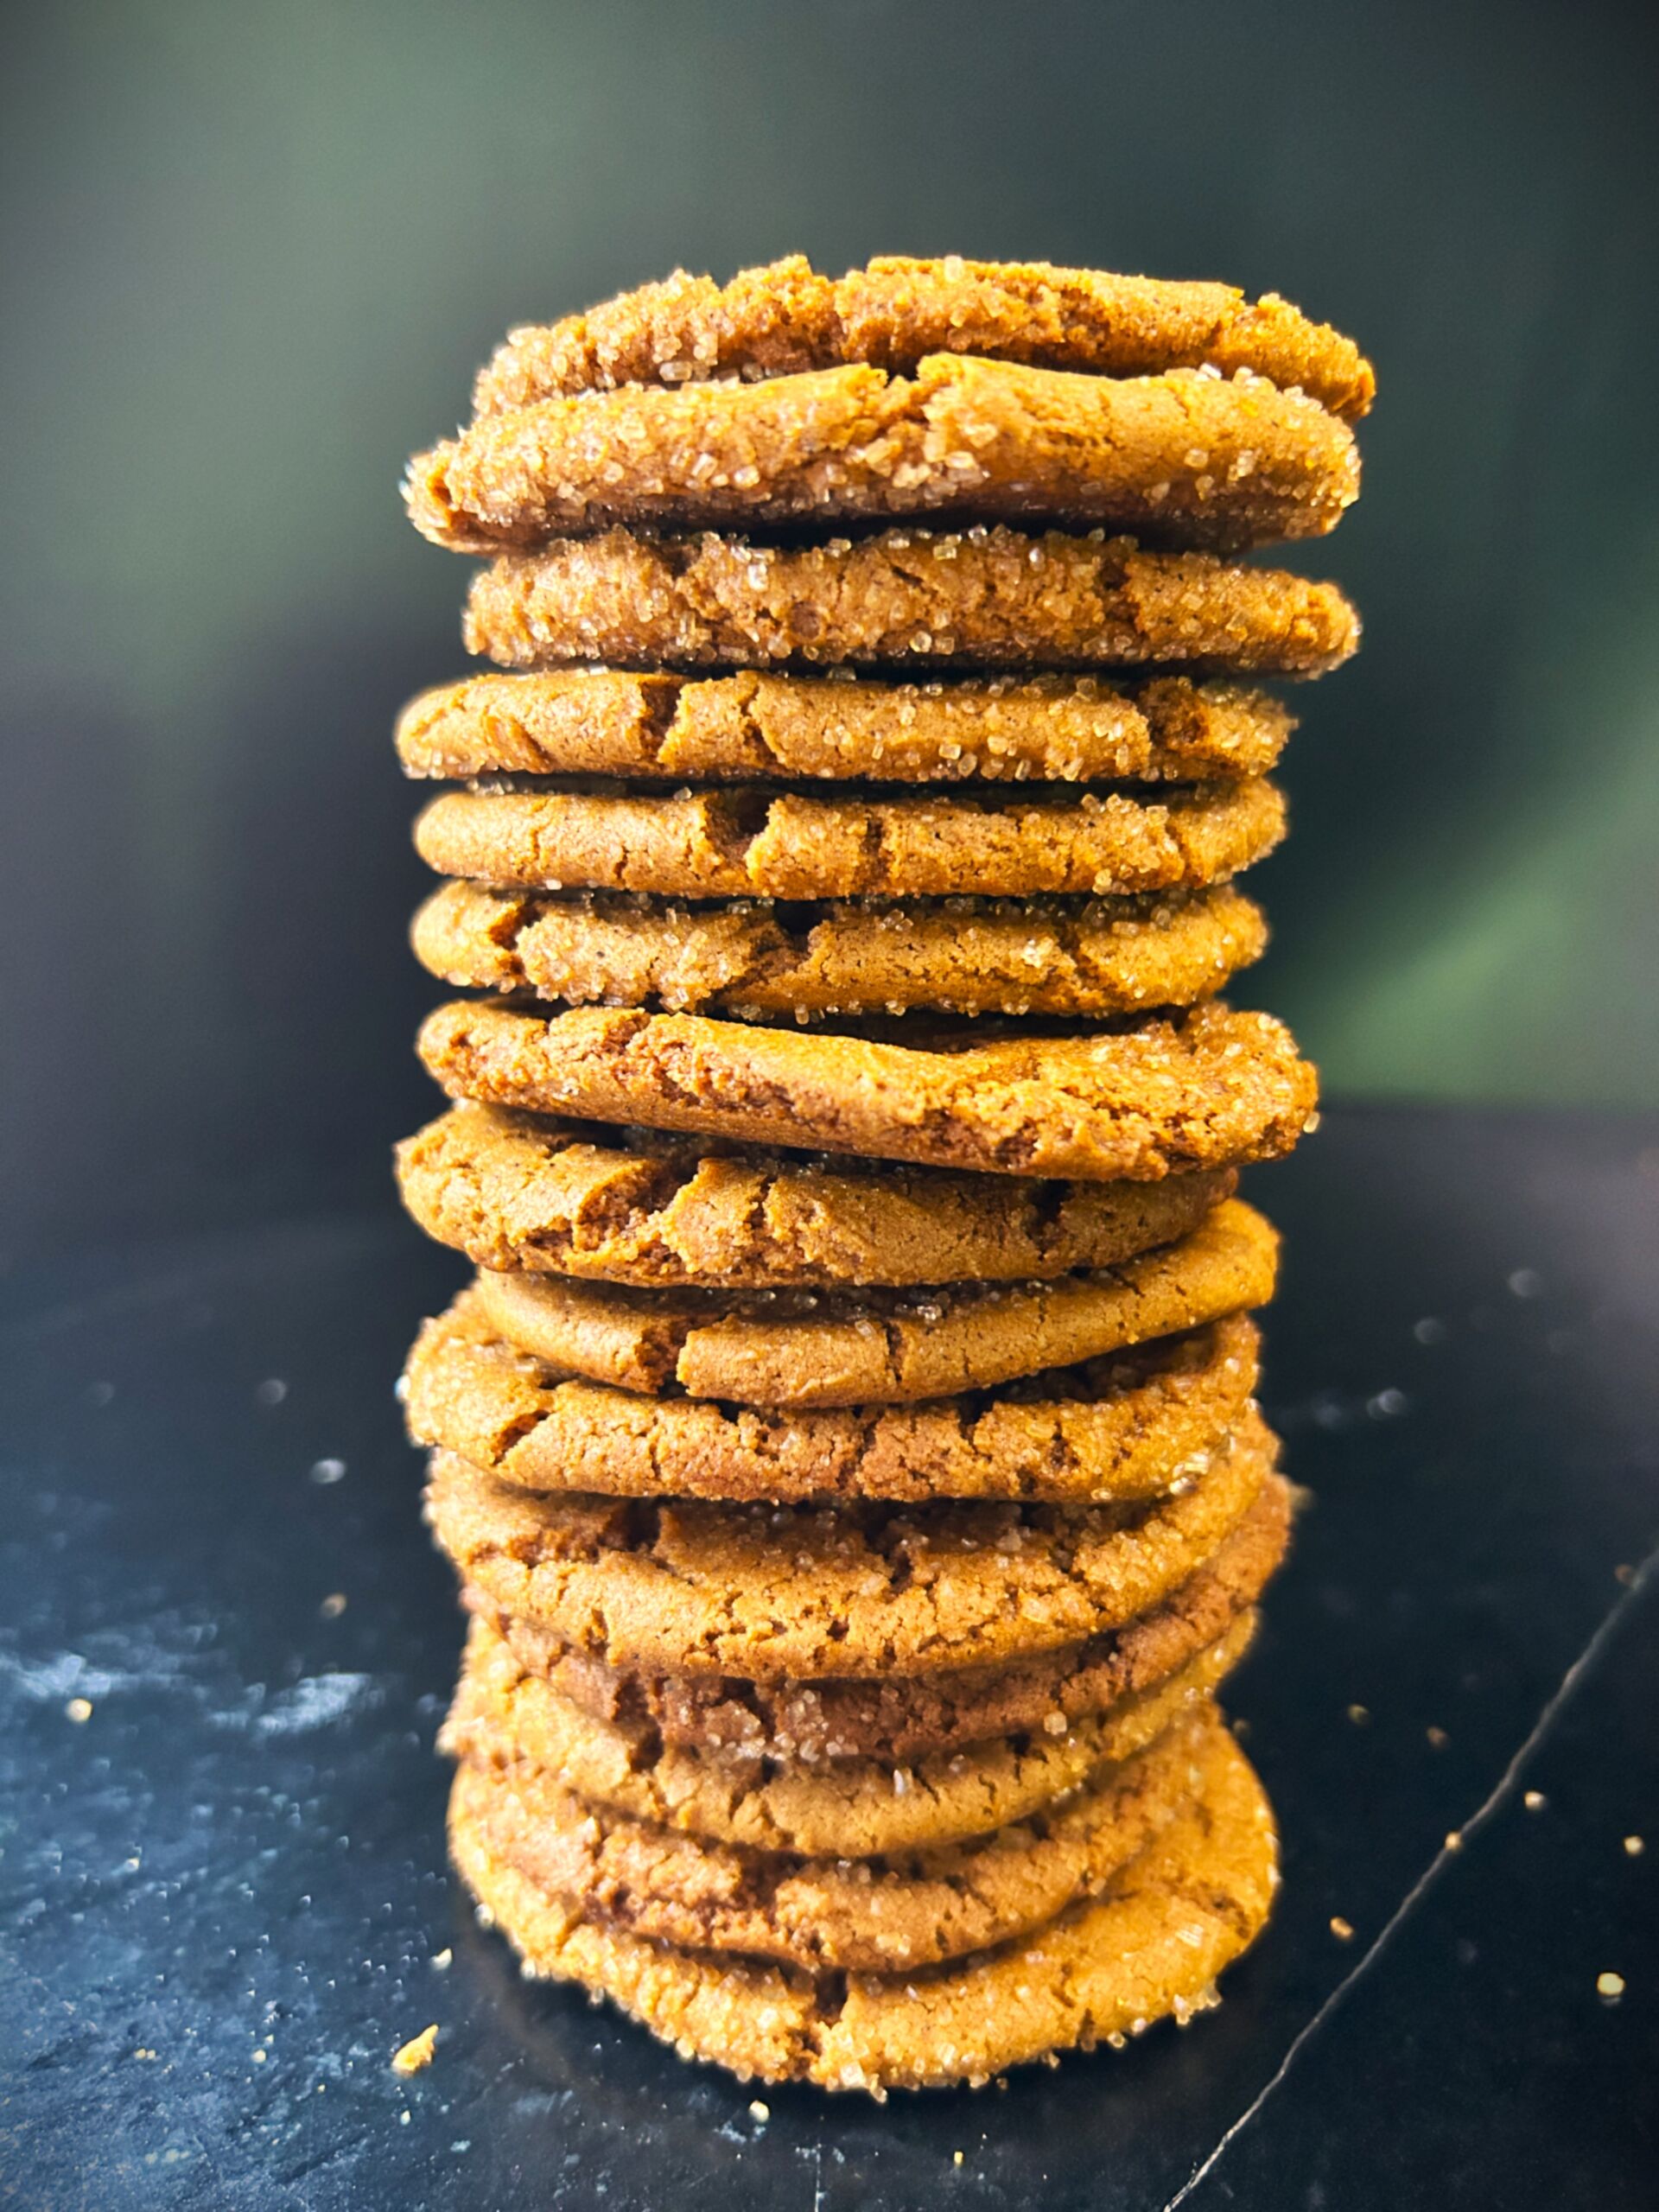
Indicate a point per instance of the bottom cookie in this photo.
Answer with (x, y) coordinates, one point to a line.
(1149, 1946)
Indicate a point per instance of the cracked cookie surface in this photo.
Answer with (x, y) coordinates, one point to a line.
(787, 317)
(1013, 727)
(505, 1716)
(1121, 1426)
(1211, 1088)
(765, 1590)
(990, 596)
(874, 1347)
(1185, 456)
(525, 1191)
(844, 1910)
(1151, 1945)
(762, 1726)
(1079, 958)
(756, 843)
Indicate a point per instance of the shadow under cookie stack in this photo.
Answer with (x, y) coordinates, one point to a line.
(847, 1446)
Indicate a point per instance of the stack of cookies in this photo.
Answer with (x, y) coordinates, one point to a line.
(847, 1445)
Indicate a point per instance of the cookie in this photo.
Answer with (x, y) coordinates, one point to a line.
(1001, 728)
(1210, 1089)
(845, 1911)
(764, 1591)
(1116, 1428)
(521, 1190)
(987, 596)
(504, 1717)
(785, 319)
(1152, 1945)
(750, 843)
(876, 1347)
(745, 1721)
(1079, 959)
(1184, 457)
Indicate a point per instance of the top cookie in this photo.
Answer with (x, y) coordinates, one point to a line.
(786, 318)
(1184, 458)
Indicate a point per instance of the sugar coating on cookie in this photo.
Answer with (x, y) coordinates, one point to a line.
(766, 1591)
(752, 842)
(1152, 1945)
(1185, 458)
(839, 1911)
(990, 596)
(862, 1806)
(1213, 1088)
(754, 1724)
(759, 961)
(1009, 728)
(786, 318)
(805, 1348)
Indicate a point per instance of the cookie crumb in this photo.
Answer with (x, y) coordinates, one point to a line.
(441, 1959)
(1634, 1846)
(333, 1605)
(1341, 1929)
(324, 1472)
(956, 2157)
(1359, 1715)
(1610, 1985)
(759, 2113)
(1455, 1839)
(143, 2051)
(1437, 1738)
(409, 2057)
(78, 1709)
(1534, 1801)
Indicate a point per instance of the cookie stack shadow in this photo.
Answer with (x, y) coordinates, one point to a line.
(847, 1446)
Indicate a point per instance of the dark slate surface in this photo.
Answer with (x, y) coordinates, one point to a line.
(223, 1900)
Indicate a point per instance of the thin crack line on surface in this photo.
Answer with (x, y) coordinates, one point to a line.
(1503, 1790)
(817, 2177)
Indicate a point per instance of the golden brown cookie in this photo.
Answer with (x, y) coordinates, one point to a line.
(1151, 1945)
(506, 1718)
(1185, 457)
(846, 1911)
(1079, 959)
(989, 597)
(785, 318)
(747, 843)
(748, 1722)
(1007, 728)
(802, 1348)
(1118, 1427)
(1211, 1088)
(762, 1591)
(522, 1190)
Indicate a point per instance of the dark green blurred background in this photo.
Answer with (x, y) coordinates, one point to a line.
(252, 253)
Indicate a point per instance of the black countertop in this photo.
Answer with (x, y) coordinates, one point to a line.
(225, 1646)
